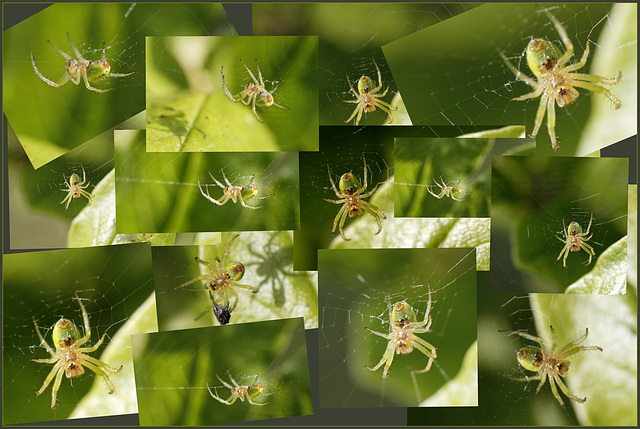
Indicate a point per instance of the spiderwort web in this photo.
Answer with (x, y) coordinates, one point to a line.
(530, 198)
(49, 121)
(354, 286)
(174, 368)
(350, 37)
(453, 77)
(112, 282)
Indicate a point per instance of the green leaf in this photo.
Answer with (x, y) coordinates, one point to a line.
(609, 276)
(195, 122)
(462, 390)
(95, 225)
(608, 379)
(123, 400)
(416, 232)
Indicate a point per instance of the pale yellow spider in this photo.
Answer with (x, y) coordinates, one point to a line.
(89, 71)
(220, 283)
(446, 191)
(548, 362)
(575, 240)
(70, 358)
(255, 92)
(76, 188)
(402, 336)
(233, 193)
(555, 82)
(240, 392)
(351, 197)
(367, 97)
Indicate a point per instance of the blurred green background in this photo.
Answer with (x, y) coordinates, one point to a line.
(429, 161)
(268, 261)
(353, 290)
(158, 192)
(113, 282)
(172, 369)
(448, 76)
(530, 198)
(50, 121)
(187, 109)
(350, 37)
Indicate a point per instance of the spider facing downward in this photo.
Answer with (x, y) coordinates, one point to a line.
(76, 188)
(352, 199)
(556, 81)
(254, 92)
(69, 357)
(575, 240)
(402, 336)
(80, 68)
(549, 362)
(367, 97)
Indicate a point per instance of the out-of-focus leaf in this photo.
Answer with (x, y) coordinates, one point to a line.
(609, 276)
(462, 390)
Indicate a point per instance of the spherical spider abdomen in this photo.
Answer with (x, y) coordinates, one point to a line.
(69, 357)
(556, 80)
(352, 200)
(549, 363)
(367, 97)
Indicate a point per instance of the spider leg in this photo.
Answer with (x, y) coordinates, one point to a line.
(253, 107)
(89, 87)
(386, 357)
(54, 371)
(425, 352)
(203, 277)
(589, 250)
(374, 210)
(599, 79)
(579, 64)
(73, 47)
(427, 348)
(103, 365)
(529, 337)
(333, 185)
(354, 93)
(235, 383)
(373, 213)
(249, 71)
(519, 75)
(554, 390)
(223, 199)
(67, 199)
(56, 386)
(545, 101)
(256, 403)
(566, 391)
(358, 110)
(379, 79)
(101, 373)
(598, 88)
(253, 289)
(282, 107)
(41, 76)
(380, 334)
(224, 86)
(543, 378)
(563, 35)
(537, 377)
(219, 398)
(343, 218)
(94, 347)
(368, 194)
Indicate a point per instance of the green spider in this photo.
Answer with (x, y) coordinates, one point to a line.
(220, 284)
(556, 81)
(351, 197)
(89, 71)
(70, 358)
(367, 97)
(575, 240)
(548, 362)
(255, 92)
(233, 193)
(76, 188)
(402, 337)
(240, 392)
